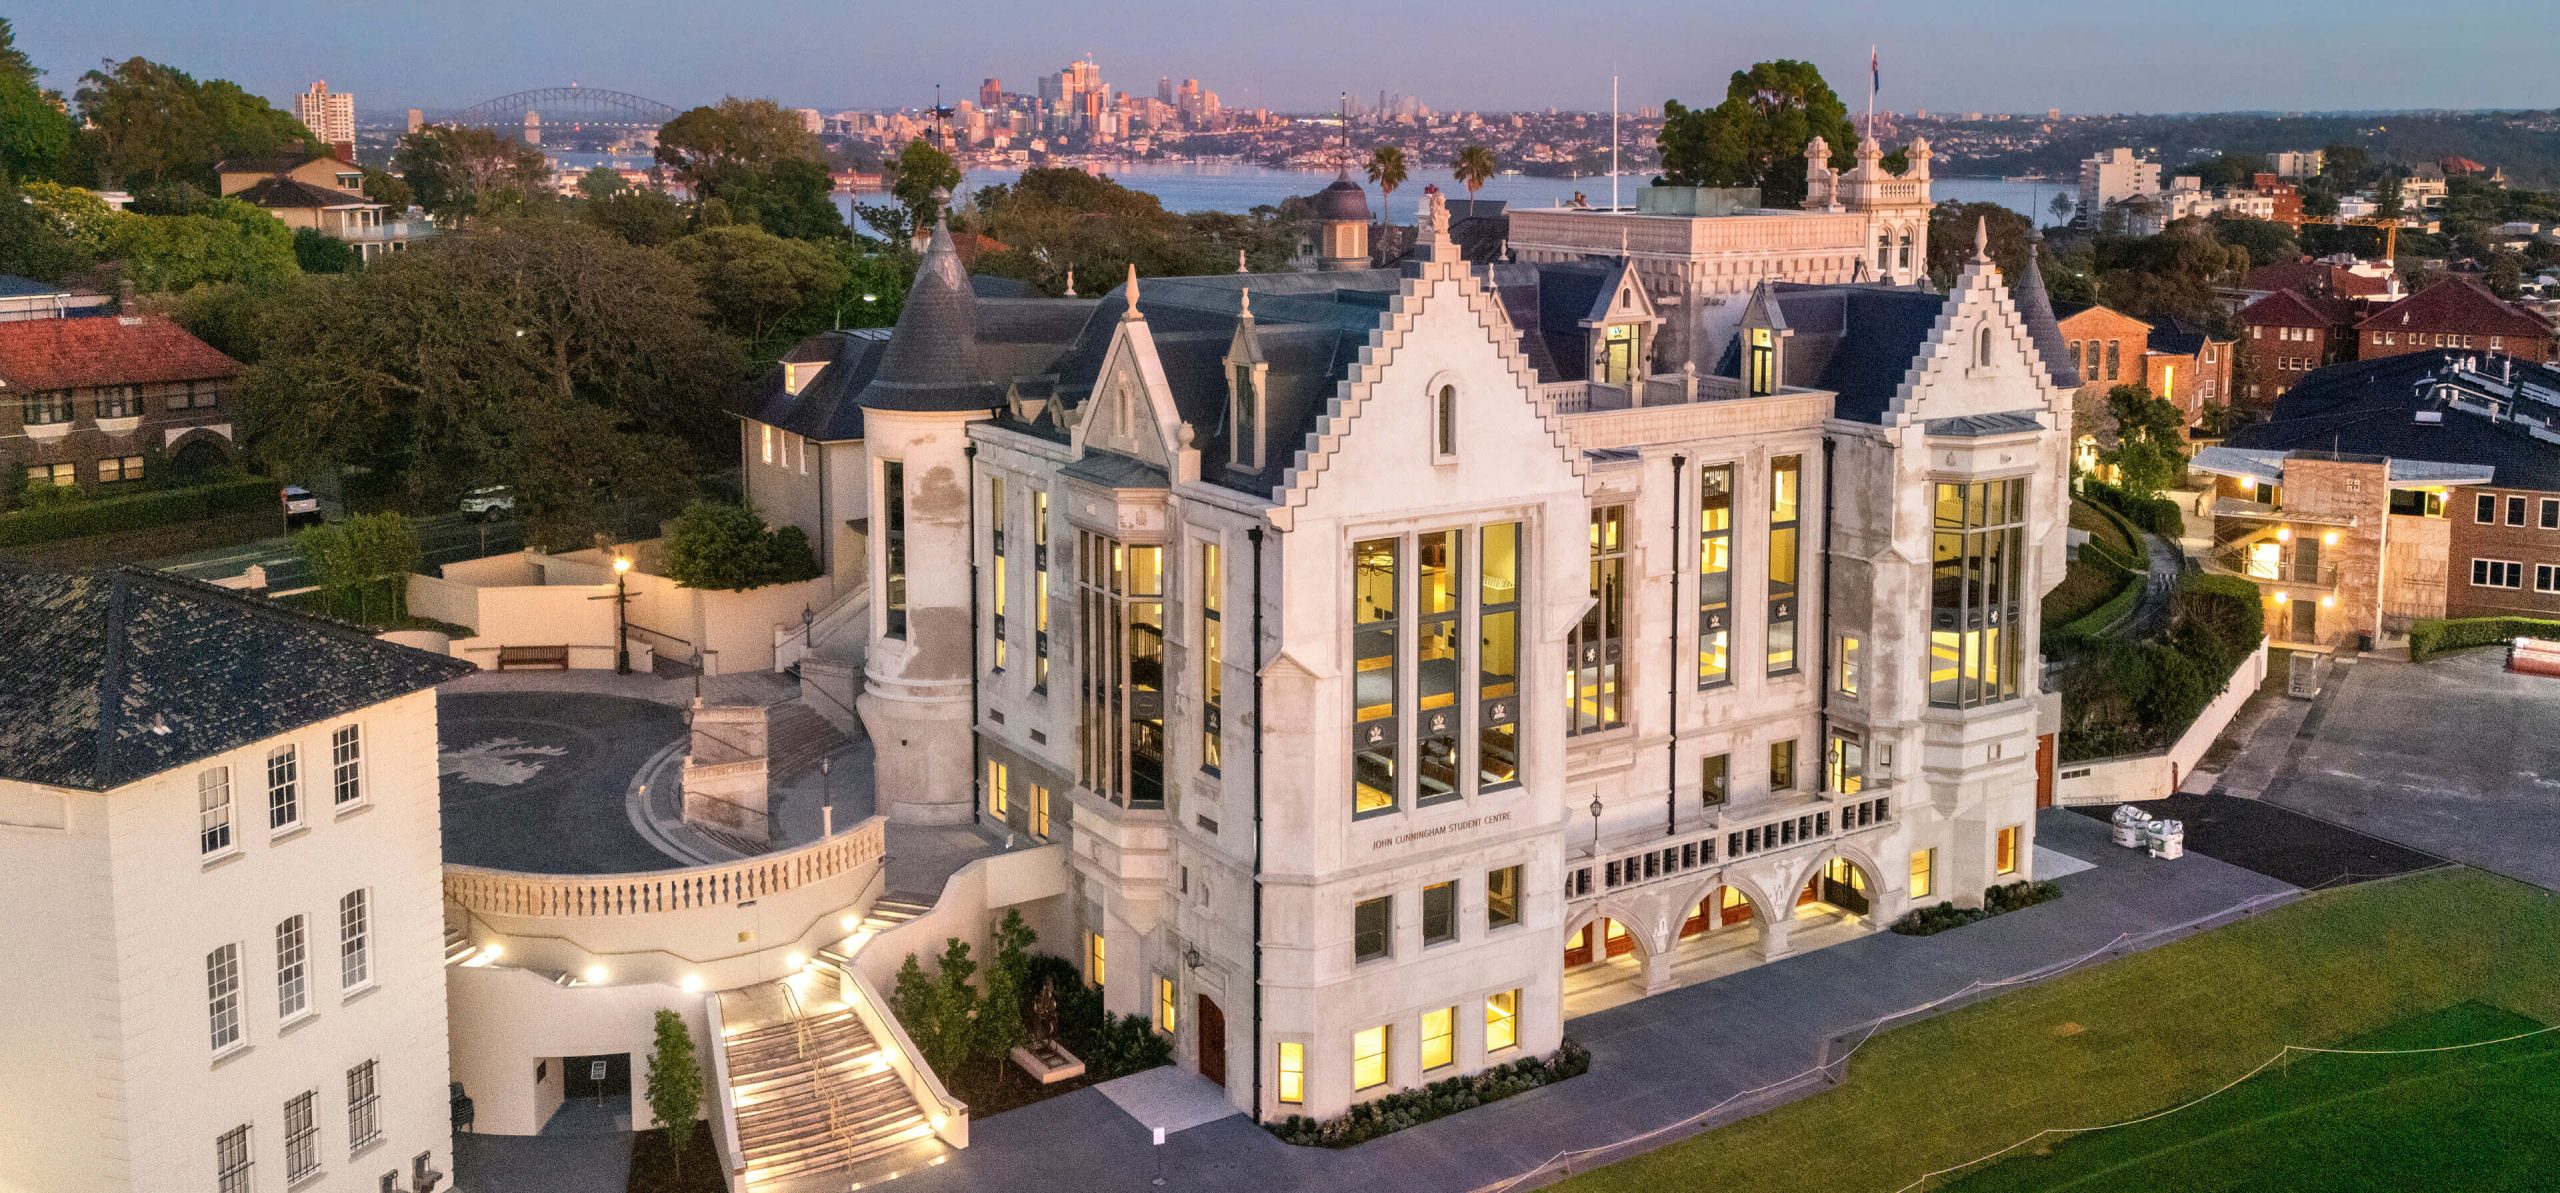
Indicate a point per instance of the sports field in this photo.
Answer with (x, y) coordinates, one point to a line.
(2447, 956)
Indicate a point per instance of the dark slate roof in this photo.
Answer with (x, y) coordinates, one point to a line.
(1116, 472)
(1342, 200)
(2369, 407)
(931, 364)
(2172, 342)
(826, 408)
(1976, 426)
(282, 191)
(2035, 305)
(113, 676)
(1856, 340)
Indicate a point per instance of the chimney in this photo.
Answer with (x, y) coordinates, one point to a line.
(128, 310)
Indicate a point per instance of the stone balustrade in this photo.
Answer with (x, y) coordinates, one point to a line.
(489, 892)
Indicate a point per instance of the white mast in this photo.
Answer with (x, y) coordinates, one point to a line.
(1613, 142)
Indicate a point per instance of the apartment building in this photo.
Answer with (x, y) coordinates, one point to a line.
(219, 845)
(330, 115)
(2458, 313)
(1402, 681)
(2114, 177)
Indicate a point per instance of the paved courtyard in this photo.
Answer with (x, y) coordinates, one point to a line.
(538, 781)
(2457, 757)
(1655, 1062)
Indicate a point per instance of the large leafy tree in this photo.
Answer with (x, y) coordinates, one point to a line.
(757, 282)
(759, 161)
(1756, 137)
(214, 240)
(35, 131)
(2172, 275)
(1056, 220)
(458, 173)
(922, 179)
(151, 124)
(723, 546)
(541, 354)
(1951, 232)
(2150, 450)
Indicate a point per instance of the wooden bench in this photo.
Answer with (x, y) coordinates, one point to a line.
(554, 658)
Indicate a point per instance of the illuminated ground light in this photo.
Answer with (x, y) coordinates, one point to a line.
(692, 983)
(594, 975)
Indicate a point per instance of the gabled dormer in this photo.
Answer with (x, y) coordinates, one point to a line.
(1621, 324)
(1763, 332)
(1248, 376)
(1131, 411)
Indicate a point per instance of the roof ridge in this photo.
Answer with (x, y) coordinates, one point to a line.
(111, 672)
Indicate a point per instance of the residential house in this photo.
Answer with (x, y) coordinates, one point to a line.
(2456, 312)
(2380, 492)
(324, 194)
(22, 299)
(2291, 333)
(2183, 364)
(220, 853)
(94, 402)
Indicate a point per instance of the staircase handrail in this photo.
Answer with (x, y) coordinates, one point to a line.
(733, 1156)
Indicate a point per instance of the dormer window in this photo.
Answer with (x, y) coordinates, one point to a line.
(1244, 442)
(1764, 362)
(1444, 424)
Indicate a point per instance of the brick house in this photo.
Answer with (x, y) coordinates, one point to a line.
(2176, 361)
(2456, 312)
(2384, 491)
(2290, 333)
(93, 402)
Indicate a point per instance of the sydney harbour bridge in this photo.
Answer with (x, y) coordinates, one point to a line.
(570, 109)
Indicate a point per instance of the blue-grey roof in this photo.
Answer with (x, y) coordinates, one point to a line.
(13, 286)
(2370, 408)
(1977, 426)
(931, 364)
(113, 676)
(1856, 340)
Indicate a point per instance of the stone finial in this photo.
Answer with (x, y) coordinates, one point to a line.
(1132, 288)
(1868, 149)
(1240, 262)
(1244, 303)
(1071, 281)
(1982, 238)
(1817, 151)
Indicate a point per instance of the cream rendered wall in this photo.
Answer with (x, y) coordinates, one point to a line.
(171, 908)
(1370, 472)
(63, 1124)
(508, 1022)
(916, 690)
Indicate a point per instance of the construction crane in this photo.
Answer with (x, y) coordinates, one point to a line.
(2390, 226)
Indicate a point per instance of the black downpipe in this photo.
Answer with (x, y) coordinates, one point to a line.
(1822, 645)
(977, 763)
(1255, 534)
(1671, 742)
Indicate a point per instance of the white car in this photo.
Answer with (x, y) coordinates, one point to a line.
(481, 504)
(300, 507)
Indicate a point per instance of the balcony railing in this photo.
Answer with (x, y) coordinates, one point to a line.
(2244, 510)
(507, 893)
(1734, 836)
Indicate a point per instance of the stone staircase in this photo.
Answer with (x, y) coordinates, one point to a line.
(892, 910)
(457, 945)
(817, 1101)
(796, 737)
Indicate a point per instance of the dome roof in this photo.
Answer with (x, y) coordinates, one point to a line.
(1343, 201)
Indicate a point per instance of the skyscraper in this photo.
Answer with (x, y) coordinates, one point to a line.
(330, 115)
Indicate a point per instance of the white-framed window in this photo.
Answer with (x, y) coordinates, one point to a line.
(2546, 578)
(346, 765)
(284, 788)
(2515, 511)
(768, 441)
(2485, 510)
(231, 1161)
(2551, 513)
(2497, 573)
(301, 1135)
(355, 936)
(213, 817)
(293, 969)
(364, 1109)
(222, 996)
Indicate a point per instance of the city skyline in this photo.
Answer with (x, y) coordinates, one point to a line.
(2264, 60)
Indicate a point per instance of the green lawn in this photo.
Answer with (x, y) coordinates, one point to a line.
(2485, 1117)
(2134, 1035)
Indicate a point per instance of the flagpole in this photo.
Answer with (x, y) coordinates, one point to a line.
(1613, 142)
(1871, 91)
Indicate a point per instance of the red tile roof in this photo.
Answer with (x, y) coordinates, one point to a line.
(2293, 308)
(2459, 305)
(2315, 277)
(105, 350)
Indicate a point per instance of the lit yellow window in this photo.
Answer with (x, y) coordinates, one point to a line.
(1923, 880)
(1439, 1037)
(1039, 810)
(2009, 850)
(1501, 1020)
(999, 789)
(1369, 1058)
(1093, 958)
(1164, 1005)
(1848, 665)
(1293, 1072)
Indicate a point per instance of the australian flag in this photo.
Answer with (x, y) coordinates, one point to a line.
(1875, 72)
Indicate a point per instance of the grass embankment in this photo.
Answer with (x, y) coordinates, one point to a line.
(2137, 1034)
(2111, 566)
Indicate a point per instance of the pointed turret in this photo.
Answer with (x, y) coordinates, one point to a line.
(932, 359)
(2035, 305)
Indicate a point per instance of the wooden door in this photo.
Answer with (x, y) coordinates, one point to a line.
(1577, 951)
(1617, 939)
(1213, 1041)
(2044, 771)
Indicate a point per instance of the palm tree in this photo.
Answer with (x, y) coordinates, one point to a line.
(1386, 170)
(1475, 165)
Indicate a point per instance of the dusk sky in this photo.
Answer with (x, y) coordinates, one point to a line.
(1994, 55)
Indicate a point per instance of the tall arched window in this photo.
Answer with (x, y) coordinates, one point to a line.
(1982, 347)
(1444, 422)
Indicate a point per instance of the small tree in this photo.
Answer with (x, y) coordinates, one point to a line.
(955, 1009)
(352, 560)
(912, 997)
(1000, 1027)
(2061, 207)
(2150, 436)
(675, 1085)
(716, 545)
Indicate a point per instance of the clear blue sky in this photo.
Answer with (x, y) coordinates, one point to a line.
(1994, 55)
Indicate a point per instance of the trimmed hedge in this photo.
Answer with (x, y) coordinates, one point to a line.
(2095, 621)
(141, 511)
(2127, 697)
(2159, 515)
(1998, 900)
(1440, 1099)
(2437, 635)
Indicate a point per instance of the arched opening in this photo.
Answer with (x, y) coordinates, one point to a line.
(1982, 347)
(1838, 885)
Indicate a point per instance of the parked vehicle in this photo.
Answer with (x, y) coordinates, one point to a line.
(300, 507)
(482, 504)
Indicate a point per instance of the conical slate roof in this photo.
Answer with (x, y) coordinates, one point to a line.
(2036, 306)
(931, 363)
(1343, 202)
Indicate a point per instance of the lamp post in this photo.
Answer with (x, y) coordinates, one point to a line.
(621, 615)
(1595, 826)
